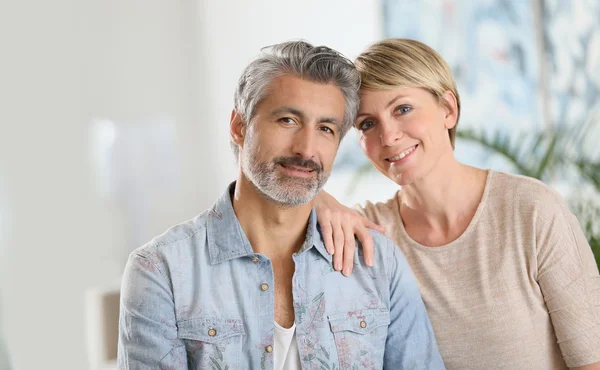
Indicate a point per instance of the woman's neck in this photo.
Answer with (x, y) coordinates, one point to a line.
(439, 207)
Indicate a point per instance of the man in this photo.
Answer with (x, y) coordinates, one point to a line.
(249, 284)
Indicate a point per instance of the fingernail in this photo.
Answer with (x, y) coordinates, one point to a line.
(346, 271)
(337, 266)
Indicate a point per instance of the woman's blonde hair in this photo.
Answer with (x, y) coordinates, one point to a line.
(394, 63)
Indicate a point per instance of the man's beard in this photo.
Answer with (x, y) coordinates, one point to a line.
(276, 185)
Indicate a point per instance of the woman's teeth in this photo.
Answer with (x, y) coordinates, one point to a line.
(403, 154)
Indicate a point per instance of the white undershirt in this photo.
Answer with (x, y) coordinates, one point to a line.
(285, 349)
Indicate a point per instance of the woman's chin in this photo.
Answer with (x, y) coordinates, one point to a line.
(403, 178)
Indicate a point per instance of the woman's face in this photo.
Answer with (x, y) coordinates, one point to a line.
(404, 131)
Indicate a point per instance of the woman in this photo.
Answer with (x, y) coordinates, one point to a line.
(505, 271)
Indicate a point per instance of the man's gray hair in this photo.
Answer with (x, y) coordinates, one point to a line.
(318, 64)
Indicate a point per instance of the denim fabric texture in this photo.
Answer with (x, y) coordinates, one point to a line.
(198, 297)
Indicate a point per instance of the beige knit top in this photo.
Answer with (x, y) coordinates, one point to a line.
(519, 289)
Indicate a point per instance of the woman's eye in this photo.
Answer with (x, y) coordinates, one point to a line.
(403, 109)
(365, 125)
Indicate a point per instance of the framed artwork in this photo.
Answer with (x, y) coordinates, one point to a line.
(521, 66)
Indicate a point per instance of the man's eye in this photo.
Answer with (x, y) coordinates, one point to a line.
(327, 130)
(287, 120)
(365, 125)
(403, 109)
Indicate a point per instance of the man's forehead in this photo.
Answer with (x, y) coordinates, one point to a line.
(290, 93)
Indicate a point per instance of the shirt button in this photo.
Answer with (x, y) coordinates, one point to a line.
(254, 259)
(269, 349)
(264, 287)
(212, 332)
(363, 324)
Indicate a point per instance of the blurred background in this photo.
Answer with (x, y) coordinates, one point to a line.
(114, 126)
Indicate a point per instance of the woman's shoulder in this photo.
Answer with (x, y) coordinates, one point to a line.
(377, 211)
(523, 190)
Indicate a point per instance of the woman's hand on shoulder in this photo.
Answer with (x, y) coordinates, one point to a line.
(339, 224)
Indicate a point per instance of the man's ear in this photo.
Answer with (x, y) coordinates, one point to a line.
(451, 107)
(237, 128)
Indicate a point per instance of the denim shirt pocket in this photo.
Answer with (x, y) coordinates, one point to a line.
(212, 342)
(360, 337)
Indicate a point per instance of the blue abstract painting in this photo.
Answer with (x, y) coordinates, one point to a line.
(521, 66)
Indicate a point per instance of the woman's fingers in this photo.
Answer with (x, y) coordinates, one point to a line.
(366, 241)
(327, 232)
(339, 226)
(349, 246)
(372, 225)
(338, 241)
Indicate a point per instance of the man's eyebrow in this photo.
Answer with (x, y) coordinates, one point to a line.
(301, 115)
(331, 120)
(391, 102)
(289, 110)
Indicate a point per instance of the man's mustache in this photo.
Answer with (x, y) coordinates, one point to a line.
(298, 162)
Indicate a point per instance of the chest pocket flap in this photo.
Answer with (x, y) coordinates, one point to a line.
(210, 329)
(360, 321)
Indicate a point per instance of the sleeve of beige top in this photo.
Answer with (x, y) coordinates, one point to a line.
(370, 211)
(568, 277)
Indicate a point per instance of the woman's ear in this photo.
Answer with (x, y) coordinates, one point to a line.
(237, 128)
(451, 107)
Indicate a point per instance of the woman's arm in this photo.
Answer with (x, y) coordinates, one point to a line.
(339, 226)
(568, 277)
(595, 366)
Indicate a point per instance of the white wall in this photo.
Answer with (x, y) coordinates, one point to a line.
(66, 63)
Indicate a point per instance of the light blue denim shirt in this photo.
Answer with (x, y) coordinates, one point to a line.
(198, 297)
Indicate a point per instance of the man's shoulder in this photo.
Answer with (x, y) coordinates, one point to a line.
(384, 249)
(380, 240)
(182, 235)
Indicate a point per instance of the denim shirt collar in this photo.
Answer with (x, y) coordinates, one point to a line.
(226, 239)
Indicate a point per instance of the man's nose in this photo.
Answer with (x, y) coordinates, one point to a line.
(304, 143)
